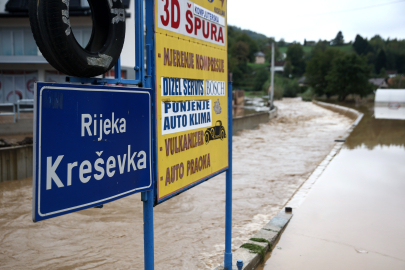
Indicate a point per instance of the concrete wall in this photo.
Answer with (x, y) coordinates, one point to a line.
(353, 114)
(252, 121)
(15, 162)
(22, 126)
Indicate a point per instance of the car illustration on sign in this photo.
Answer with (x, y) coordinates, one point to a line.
(215, 132)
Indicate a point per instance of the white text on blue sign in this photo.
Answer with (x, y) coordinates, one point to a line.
(181, 87)
(187, 115)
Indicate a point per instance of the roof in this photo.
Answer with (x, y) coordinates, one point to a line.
(380, 82)
(279, 63)
(390, 95)
(302, 80)
(260, 54)
(19, 8)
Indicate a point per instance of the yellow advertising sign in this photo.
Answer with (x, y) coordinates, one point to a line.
(192, 92)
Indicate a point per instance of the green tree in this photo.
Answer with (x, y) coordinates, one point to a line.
(319, 66)
(295, 54)
(397, 82)
(361, 45)
(339, 39)
(288, 68)
(281, 43)
(262, 76)
(380, 61)
(240, 51)
(349, 75)
(253, 48)
(277, 54)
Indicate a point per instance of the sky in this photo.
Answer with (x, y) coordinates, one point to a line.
(296, 20)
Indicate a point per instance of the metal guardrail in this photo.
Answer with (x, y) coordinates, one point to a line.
(8, 113)
(24, 102)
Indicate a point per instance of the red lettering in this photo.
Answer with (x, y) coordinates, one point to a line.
(197, 24)
(206, 35)
(213, 32)
(189, 26)
(221, 35)
(175, 23)
(165, 22)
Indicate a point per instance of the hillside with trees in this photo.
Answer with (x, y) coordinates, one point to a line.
(331, 68)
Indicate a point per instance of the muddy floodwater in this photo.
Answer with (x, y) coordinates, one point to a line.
(270, 164)
(353, 217)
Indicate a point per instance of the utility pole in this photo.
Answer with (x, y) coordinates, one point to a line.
(271, 95)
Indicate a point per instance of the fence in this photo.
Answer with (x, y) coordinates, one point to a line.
(8, 113)
(24, 102)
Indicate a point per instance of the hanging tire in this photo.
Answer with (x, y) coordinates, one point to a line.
(53, 34)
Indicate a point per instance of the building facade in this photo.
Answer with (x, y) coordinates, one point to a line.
(21, 62)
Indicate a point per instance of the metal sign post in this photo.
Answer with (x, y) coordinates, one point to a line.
(228, 202)
(184, 117)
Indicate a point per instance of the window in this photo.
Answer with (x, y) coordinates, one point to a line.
(82, 35)
(84, 3)
(17, 84)
(17, 41)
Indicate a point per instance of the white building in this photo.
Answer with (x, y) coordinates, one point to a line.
(21, 62)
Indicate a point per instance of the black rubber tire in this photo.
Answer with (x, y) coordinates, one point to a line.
(55, 39)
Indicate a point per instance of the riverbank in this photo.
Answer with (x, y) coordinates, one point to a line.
(270, 164)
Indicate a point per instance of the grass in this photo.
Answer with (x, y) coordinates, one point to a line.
(261, 240)
(255, 66)
(255, 249)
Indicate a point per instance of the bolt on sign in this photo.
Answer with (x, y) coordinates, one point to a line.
(192, 90)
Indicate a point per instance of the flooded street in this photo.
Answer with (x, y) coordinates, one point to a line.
(270, 164)
(353, 217)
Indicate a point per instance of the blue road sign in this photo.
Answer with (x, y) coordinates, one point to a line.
(92, 145)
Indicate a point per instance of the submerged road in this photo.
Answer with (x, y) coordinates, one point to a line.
(270, 164)
(353, 217)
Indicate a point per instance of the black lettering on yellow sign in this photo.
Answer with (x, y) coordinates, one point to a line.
(176, 58)
(176, 172)
(182, 143)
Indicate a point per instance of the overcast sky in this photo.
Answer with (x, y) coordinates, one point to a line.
(295, 20)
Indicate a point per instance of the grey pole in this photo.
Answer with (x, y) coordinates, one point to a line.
(272, 76)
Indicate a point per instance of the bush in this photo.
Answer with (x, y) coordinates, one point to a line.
(307, 95)
(291, 88)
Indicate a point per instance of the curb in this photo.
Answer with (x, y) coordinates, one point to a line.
(269, 234)
(273, 230)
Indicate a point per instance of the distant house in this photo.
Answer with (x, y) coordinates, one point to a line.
(379, 82)
(279, 66)
(260, 58)
(392, 73)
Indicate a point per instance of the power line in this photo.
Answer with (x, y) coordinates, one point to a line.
(354, 9)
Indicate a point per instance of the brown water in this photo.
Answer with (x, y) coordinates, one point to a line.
(270, 163)
(353, 215)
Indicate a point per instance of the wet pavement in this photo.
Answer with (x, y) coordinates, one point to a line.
(270, 164)
(353, 217)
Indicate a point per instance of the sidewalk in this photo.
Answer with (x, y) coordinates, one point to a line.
(353, 218)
